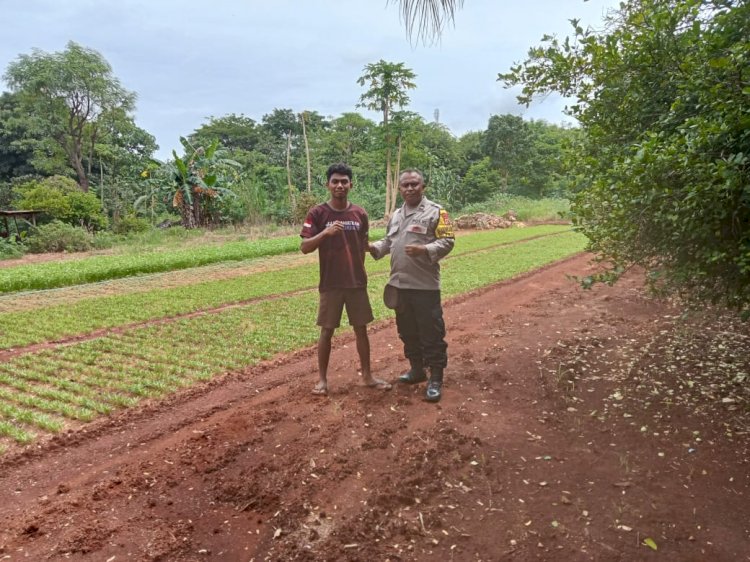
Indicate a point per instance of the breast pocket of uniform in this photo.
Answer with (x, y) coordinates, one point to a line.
(417, 232)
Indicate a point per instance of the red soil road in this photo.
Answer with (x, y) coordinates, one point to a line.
(510, 465)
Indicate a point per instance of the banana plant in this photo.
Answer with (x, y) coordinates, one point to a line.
(192, 181)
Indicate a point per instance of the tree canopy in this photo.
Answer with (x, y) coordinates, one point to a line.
(69, 91)
(69, 116)
(663, 98)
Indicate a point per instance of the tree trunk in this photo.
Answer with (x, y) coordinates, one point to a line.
(187, 214)
(289, 168)
(76, 161)
(394, 180)
(307, 153)
(197, 209)
(388, 179)
(101, 186)
(73, 146)
(388, 189)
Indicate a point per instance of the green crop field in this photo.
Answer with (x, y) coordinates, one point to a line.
(156, 350)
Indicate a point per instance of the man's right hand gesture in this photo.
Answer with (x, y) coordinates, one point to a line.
(333, 228)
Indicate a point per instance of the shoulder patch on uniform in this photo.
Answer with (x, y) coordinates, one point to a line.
(444, 228)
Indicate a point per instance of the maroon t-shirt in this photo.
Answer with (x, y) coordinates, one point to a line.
(342, 257)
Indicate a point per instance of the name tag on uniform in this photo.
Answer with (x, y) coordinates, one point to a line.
(418, 228)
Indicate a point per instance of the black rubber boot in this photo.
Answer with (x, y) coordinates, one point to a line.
(415, 375)
(435, 386)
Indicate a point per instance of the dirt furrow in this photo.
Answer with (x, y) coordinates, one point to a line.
(507, 466)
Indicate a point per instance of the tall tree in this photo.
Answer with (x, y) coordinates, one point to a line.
(277, 129)
(70, 90)
(235, 132)
(662, 97)
(117, 156)
(388, 85)
(508, 144)
(350, 134)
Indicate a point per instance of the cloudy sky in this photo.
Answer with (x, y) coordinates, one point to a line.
(191, 59)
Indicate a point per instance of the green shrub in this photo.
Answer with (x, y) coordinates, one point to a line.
(129, 224)
(58, 236)
(305, 201)
(86, 211)
(61, 199)
(10, 249)
(104, 240)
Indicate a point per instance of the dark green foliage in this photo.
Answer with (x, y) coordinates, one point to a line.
(239, 170)
(60, 199)
(479, 183)
(58, 236)
(664, 100)
(9, 248)
(16, 146)
(70, 92)
(129, 224)
(304, 202)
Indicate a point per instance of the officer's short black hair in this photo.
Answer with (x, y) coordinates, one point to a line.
(338, 168)
(412, 171)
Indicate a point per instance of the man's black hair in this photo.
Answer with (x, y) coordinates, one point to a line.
(338, 168)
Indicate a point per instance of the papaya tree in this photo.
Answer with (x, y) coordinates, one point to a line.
(388, 85)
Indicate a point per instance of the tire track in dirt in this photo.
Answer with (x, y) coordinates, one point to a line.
(251, 466)
(253, 457)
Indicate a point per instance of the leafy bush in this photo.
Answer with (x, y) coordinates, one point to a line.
(663, 164)
(480, 181)
(61, 199)
(305, 201)
(10, 249)
(86, 211)
(104, 239)
(58, 236)
(129, 224)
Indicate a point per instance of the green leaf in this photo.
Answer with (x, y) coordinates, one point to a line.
(649, 542)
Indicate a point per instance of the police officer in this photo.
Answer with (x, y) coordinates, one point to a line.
(418, 236)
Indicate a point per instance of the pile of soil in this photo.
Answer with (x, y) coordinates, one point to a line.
(484, 221)
(575, 425)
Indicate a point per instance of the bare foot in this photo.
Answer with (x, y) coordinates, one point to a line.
(321, 389)
(380, 384)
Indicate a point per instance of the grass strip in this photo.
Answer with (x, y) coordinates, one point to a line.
(159, 357)
(29, 417)
(34, 277)
(36, 326)
(11, 430)
(101, 268)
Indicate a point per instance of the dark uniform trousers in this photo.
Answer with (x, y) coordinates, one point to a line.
(419, 320)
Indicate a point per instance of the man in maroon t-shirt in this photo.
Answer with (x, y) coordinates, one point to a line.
(339, 231)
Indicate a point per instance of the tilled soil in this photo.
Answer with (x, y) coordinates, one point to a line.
(575, 425)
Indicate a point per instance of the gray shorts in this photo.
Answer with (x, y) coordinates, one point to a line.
(332, 304)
